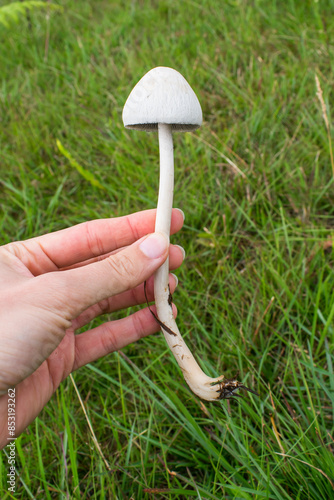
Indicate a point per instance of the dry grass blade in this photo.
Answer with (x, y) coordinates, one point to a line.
(325, 117)
(90, 425)
(277, 435)
(228, 160)
(262, 318)
(310, 465)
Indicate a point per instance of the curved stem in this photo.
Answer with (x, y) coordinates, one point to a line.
(202, 385)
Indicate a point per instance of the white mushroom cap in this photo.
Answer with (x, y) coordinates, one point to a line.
(162, 96)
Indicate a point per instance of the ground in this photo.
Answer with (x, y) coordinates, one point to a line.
(255, 296)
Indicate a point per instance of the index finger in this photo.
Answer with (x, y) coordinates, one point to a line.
(70, 246)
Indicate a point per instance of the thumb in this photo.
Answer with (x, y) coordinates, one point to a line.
(124, 270)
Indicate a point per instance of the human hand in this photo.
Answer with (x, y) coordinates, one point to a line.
(54, 284)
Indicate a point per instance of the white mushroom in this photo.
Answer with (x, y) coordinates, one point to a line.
(163, 100)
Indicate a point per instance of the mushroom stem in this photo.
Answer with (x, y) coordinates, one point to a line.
(164, 100)
(205, 387)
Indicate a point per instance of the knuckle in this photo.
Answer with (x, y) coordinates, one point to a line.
(123, 268)
(104, 306)
(139, 325)
(108, 340)
(93, 241)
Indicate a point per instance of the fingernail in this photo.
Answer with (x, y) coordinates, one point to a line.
(182, 213)
(182, 250)
(176, 279)
(154, 245)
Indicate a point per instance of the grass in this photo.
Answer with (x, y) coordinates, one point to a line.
(256, 289)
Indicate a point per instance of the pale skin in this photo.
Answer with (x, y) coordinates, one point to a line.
(51, 286)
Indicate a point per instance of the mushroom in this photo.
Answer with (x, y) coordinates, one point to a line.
(163, 100)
